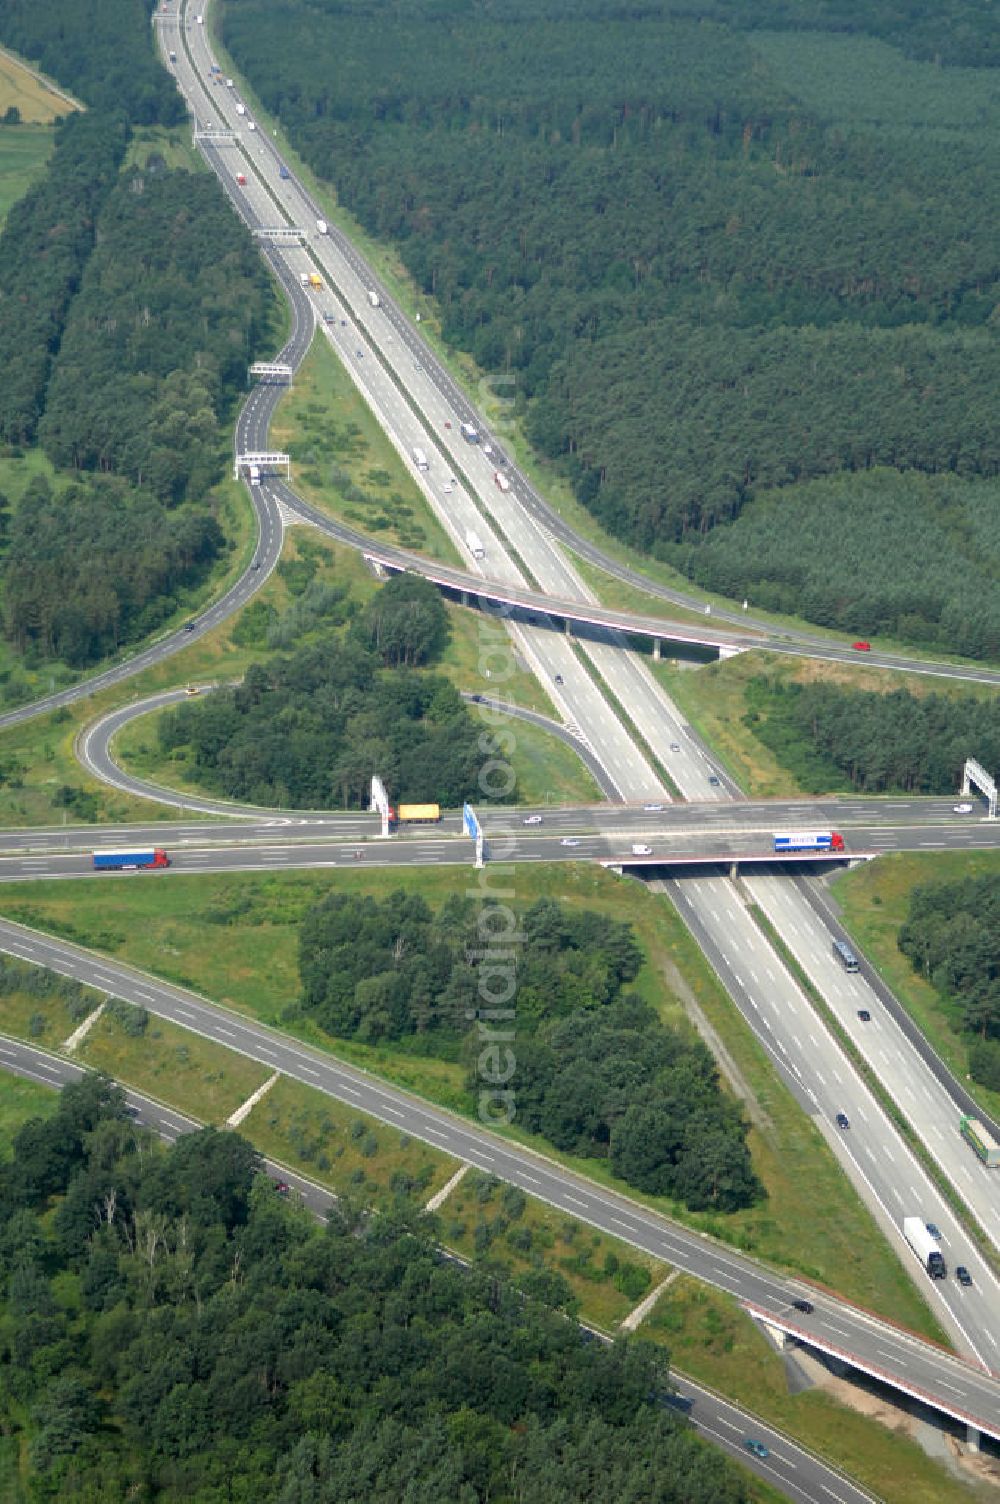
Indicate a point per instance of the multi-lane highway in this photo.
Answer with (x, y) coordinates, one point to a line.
(419, 405)
(431, 392)
(834, 1326)
(655, 717)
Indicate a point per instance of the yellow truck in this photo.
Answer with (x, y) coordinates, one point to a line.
(418, 814)
(315, 280)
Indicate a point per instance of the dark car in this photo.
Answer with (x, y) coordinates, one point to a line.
(864, 1015)
(281, 1186)
(843, 1121)
(559, 678)
(715, 782)
(189, 626)
(756, 1447)
(805, 1306)
(962, 1275)
(283, 172)
(933, 1229)
(679, 1402)
(255, 564)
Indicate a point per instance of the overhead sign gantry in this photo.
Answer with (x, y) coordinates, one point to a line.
(974, 775)
(272, 370)
(269, 460)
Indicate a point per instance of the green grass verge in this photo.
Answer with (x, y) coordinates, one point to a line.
(484, 1220)
(235, 938)
(349, 1152)
(19, 1101)
(625, 597)
(171, 145)
(45, 1021)
(175, 1066)
(293, 1123)
(711, 1339)
(874, 900)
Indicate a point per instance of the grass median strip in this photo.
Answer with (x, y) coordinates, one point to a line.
(483, 1219)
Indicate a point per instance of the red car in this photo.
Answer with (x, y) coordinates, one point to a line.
(861, 647)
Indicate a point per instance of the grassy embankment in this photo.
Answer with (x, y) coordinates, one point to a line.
(345, 464)
(711, 1339)
(875, 901)
(235, 939)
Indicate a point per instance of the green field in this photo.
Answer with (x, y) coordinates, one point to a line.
(234, 938)
(711, 1339)
(875, 899)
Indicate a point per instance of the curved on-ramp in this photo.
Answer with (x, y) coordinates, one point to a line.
(94, 752)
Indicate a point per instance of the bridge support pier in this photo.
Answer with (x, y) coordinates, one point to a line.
(777, 1336)
(465, 597)
(656, 650)
(734, 871)
(568, 627)
(972, 1438)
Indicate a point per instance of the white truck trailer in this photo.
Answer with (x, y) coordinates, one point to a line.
(924, 1246)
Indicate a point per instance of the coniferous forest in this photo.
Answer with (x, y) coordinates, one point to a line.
(131, 301)
(724, 251)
